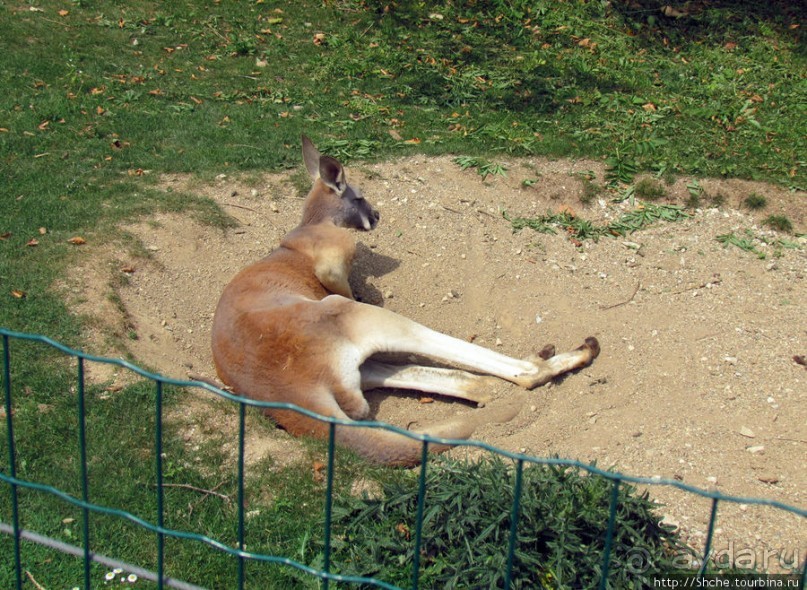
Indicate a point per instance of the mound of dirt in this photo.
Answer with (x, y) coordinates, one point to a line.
(696, 381)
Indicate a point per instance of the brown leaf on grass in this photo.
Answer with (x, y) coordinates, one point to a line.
(5, 236)
(43, 231)
(319, 470)
(730, 46)
(319, 39)
(43, 125)
(32, 242)
(128, 269)
(18, 294)
(156, 92)
(77, 241)
(403, 530)
(413, 141)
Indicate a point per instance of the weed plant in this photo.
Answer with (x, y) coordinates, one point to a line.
(780, 223)
(560, 537)
(649, 189)
(755, 202)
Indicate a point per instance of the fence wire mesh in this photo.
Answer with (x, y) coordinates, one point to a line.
(87, 505)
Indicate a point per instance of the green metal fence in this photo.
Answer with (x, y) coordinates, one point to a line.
(88, 553)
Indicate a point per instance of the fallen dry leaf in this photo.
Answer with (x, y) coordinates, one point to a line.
(426, 400)
(319, 468)
(413, 141)
(5, 235)
(77, 241)
(128, 269)
(43, 231)
(18, 294)
(319, 39)
(32, 242)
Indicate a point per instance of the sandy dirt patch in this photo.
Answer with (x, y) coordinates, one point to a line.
(696, 380)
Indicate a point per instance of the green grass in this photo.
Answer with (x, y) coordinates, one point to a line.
(100, 98)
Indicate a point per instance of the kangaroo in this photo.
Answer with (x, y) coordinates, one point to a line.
(288, 329)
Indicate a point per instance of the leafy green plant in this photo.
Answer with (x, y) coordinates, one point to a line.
(621, 168)
(581, 229)
(466, 529)
(484, 167)
(743, 243)
(749, 242)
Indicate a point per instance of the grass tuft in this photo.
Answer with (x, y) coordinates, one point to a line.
(780, 223)
(755, 201)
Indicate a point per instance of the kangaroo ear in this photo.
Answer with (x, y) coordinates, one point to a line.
(311, 158)
(332, 173)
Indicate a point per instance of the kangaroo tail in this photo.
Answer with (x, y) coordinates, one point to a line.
(392, 448)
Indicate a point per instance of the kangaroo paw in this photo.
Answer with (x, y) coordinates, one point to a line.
(547, 352)
(592, 345)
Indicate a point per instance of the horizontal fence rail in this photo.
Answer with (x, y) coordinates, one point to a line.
(237, 551)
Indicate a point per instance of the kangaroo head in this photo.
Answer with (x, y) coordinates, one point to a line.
(332, 198)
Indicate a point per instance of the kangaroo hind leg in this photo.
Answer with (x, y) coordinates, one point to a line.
(376, 330)
(448, 382)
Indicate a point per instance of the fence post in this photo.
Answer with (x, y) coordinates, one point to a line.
(12, 462)
(424, 462)
(158, 435)
(609, 535)
(85, 487)
(241, 433)
(707, 550)
(511, 548)
(329, 503)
